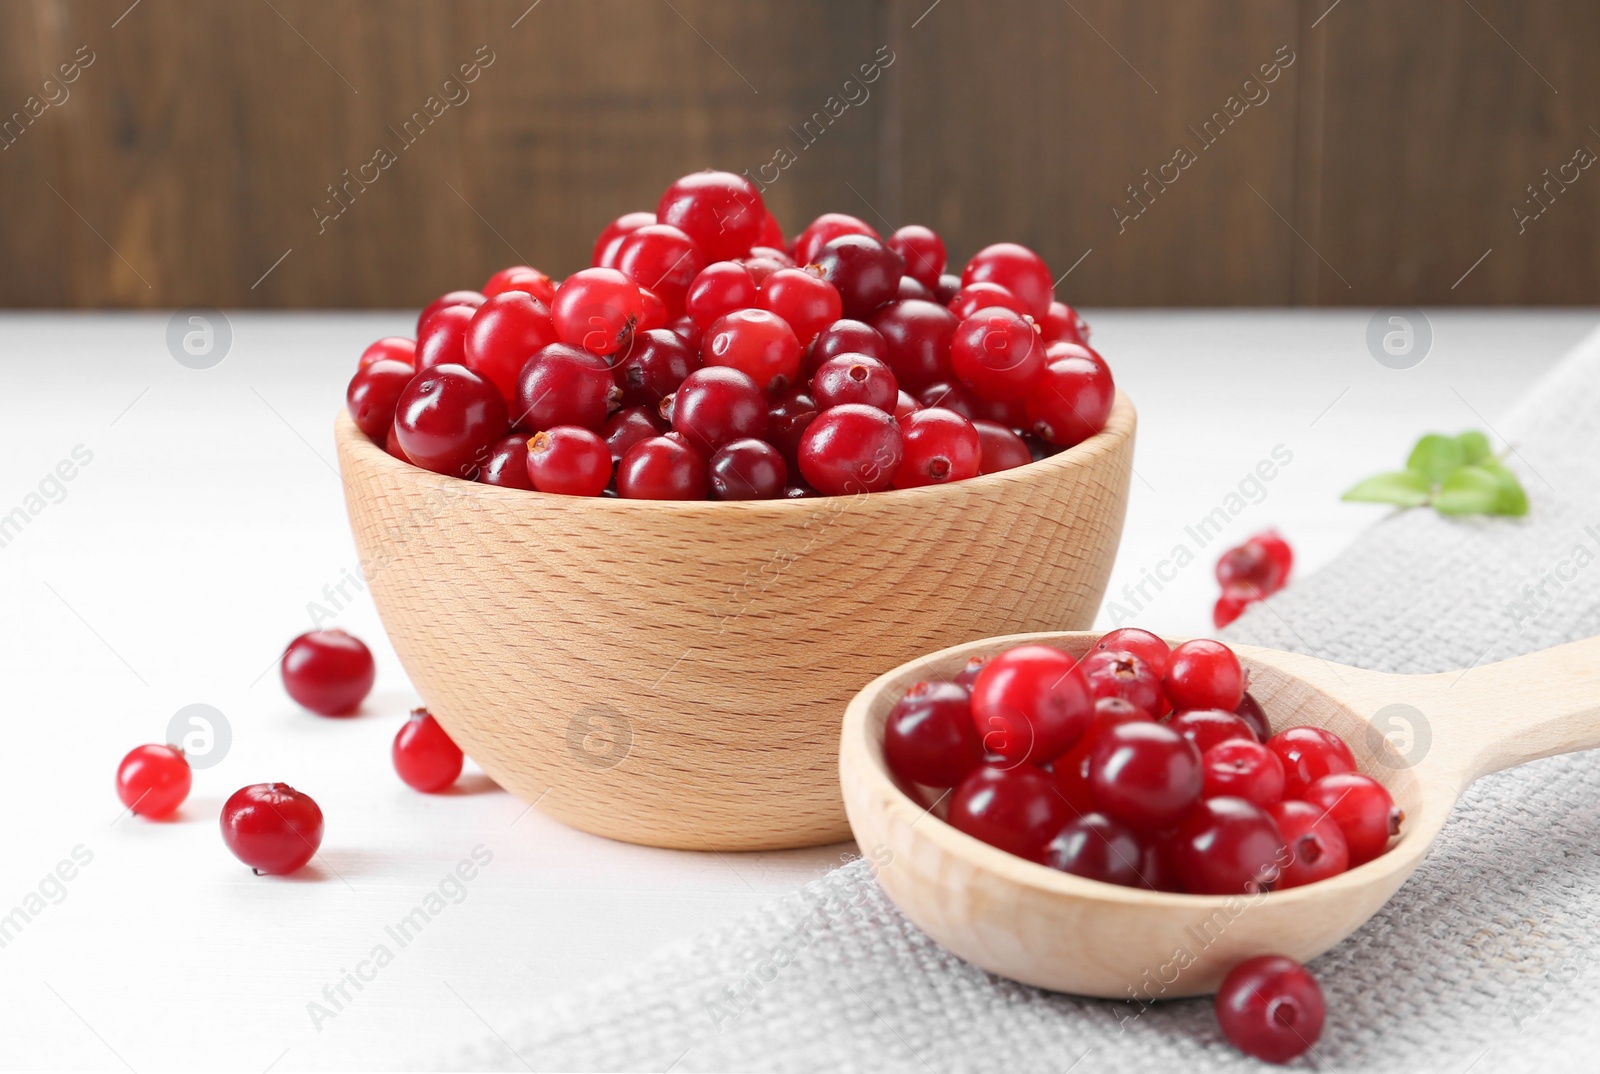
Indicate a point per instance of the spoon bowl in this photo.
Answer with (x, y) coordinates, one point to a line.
(1424, 737)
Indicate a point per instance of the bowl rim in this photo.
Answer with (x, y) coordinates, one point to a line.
(1120, 427)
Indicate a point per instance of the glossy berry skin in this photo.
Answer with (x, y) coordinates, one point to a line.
(685, 329)
(1015, 809)
(654, 313)
(473, 299)
(1308, 754)
(788, 417)
(627, 427)
(1071, 770)
(1270, 1008)
(937, 446)
(1225, 846)
(391, 348)
(271, 827)
(970, 300)
(1314, 844)
(845, 336)
(1062, 322)
(611, 236)
(1031, 705)
(569, 461)
(1361, 807)
(652, 366)
(662, 259)
(756, 342)
(596, 309)
(566, 385)
(1203, 674)
(153, 781)
(1208, 727)
(968, 675)
(1249, 710)
(1141, 643)
(1017, 269)
(717, 405)
(949, 287)
(1249, 567)
(1239, 768)
(806, 301)
(997, 354)
(1144, 774)
(1072, 398)
(503, 334)
(720, 211)
(910, 288)
(1230, 606)
(1114, 673)
(662, 468)
(923, 252)
(904, 404)
(524, 278)
(1096, 847)
(747, 469)
(424, 756)
(850, 449)
(824, 229)
(328, 671)
(374, 393)
(999, 448)
(719, 289)
(854, 378)
(917, 337)
(442, 338)
(771, 235)
(447, 417)
(507, 464)
(865, 272)
(928, 737)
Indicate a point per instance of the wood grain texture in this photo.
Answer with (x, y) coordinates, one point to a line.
(1058, 931)
(674, 673)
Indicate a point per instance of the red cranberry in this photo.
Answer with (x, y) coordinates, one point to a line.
(1098, 848)
(1072, 398)
(923, 251)
(997, 354)
(423, 754)
(271, 827)
(1362, 809)
(979, 296)
(153, 781)
(824, 229)
(720, 211)
(716, 405)
(662, 469)
(904, 404)
(449, 298)
(910, 288)
(1141, 643)
(1270, 1008)
(1062, 322)
(663, 259)
(762, 267)
(685, 329)
(947, 290)
(596, 309)
(566, 385)
(787, 420)
(865, 272)
(609, 243)
(1071, 769)
(1014, 809)
(850, 449)
(1031, 704)
(953, 395)
(1314, 844)
(774, 254)
(393, 349)
(928, 737)
(916, 338)
(771, 234)
(756, 342)
(503, 334)
(1225, 846)
(968, 675)
(1203, 674)
(446, 419)
(1308, 754)
(652, 366)
(569, 461)
(1277, 550)
(1249, 567)
(654, 313)
(1207, 727)
(328, 671)
(507, 463)
(806, 301)
(1230, 606)
(1239, 768)
(1017, 269)
(627, 427)
(1249, 710)
(854, 378)
(845, 337)
(937, 446)
(442, 338)
(374, 393)
(999, 448)
(1144, 774)
(1111, 673)
(747, 469)
(523, 278)
(721, 288)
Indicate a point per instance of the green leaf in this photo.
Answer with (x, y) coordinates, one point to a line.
(1468, 490)
(1405, 488)
(1435, 457)
(1475, 449)
(1512, 500)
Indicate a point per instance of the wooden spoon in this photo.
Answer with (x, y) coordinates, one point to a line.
(1425, 737)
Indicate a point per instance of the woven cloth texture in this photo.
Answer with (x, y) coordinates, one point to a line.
(1488, 959)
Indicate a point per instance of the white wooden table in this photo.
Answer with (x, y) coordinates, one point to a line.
(178, 560)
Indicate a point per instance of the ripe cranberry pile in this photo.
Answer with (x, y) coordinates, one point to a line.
(1140, 766)
(1250, 572)
(702, 356)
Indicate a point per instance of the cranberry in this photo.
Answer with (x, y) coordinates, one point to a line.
(662, 468)
(442, 338)
(446, 419)
(1249, 567)
(1230, 606)
(1031, 704)
(756, 342)
(1277, 550)
(845, 337)
(865, 272)
(947, 290)
(928, 737)
(721, 288)
(1308, 754)
(716, 405)
(854, 378)
(566, 385)
(1249, 710)
(609, 243)
(663, 259)
(569, 461)
(771, 234)
(328, 671)
(1239, 768)
(917, 337)
(423, 754)
(787, 420)
(374, 393)
(1062, 322)
(1207, 727)
(1270, 1008)
(968, 675)
(923, 251)
(1225, 846)
(1017, 269)
(685, 329)
(979, 296)
(904, 404)
(503, 334)
(596, 309)
(1098, 848)
(999, 448)
(391, 348)
(449, 298)
(953, 395)
(720, 211)
(1144, 774)
(910, 288)
(1072, 398)
(654, 313)
(652, 366)
(1014, 809)
(627, 427)
(824, 229)
(997, 354)
(153, 781)
(806, 301)
(1141, 643)
(747, 469)
(271, 827)
(1071, 769)
(1203, 674)
(1362, 809)
(850, 449)
(1113, 673)
(937, 446)
(523, 278)
(507, 463)
(762, 267)
(1315, 847)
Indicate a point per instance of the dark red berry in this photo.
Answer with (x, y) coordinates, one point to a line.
(1113, 673)
(716, 405)
(1072, 398)
(507, 463)
(1308, 754)
(446, 419)
(1270, 1008)
(949, 287)
(978, 296)
(1014, 809)
(1225, 846)
(747, 469)
(566, 385)
(845, 337)
(923, 251)
(1249, 710)
(788, 416)
(153, 781)
(1071, 770)
(424, 756)
(937, 446)
(1207, 727)
(1030, 704)
(627, 427)
(1203, 674)
(916, 338)
(662, 468)
(1017, 269)
(1144, 774)
(928, 737)
(1361, 807)
(271, 827)
(968, 675)
(864, 271)
(373, 395)
(854, 378)
(850, 449)
(911, 288)
(328, 671)
(1141, 643)
(596, 309)
(1314, 846)
(653, 365)
(569, 461)
(1096, 847)
(999, 448)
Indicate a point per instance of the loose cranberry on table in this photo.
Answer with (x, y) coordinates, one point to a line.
(329, 672)
(722, 212)
(569, 461)
(596, 309)
(271, 827)
(507, 464)
(1250, 572)
(758, 343)
(1015, 809)
(1270, 1008)
(854, 378)
(936, 447)
(424, 756)
(565, 385)
(446, 419)
(1361, 807)
(662, 468)
(929, 738)
(153, 781)
(374, 393)
(391, 348)
(1017, 269)
(747, 469)
(1031, 704)
(850, 449)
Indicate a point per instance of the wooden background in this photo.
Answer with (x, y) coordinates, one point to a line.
(1382, 167)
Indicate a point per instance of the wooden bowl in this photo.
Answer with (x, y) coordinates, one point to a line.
(674, 673)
